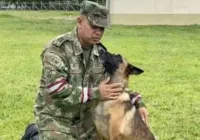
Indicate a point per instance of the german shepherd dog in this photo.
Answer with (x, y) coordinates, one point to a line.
(119, 119)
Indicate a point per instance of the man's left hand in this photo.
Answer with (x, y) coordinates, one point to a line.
(144, 114)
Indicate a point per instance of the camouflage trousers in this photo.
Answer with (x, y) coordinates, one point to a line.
(52, 128)
(54, 135)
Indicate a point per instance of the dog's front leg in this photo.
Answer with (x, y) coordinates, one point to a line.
(115, 129)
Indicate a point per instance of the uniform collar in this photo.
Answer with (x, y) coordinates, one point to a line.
(77, 45)
(95, 50)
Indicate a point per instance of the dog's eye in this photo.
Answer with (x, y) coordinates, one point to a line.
(119, 58)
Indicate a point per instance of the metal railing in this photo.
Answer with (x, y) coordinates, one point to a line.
(66, 5)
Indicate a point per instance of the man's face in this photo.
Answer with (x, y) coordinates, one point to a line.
(88, 33)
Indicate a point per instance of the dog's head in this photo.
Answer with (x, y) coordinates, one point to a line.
(116, 63)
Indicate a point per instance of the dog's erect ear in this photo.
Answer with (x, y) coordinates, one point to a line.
(130, 70)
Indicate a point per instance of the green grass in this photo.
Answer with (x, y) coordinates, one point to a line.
(169, 55)
(40, 14)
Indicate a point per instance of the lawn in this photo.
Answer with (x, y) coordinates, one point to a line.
(169, 55)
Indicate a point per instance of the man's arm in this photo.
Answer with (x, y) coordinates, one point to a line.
(136, 98)
(55, 78)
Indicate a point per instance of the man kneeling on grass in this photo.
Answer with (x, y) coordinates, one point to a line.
(71, 79)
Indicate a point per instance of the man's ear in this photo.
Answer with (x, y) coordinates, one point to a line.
(130, 70)
(79, 21)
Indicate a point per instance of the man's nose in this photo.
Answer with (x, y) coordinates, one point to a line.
(99, 31)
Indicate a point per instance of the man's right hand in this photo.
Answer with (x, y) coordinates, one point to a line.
(109, 91)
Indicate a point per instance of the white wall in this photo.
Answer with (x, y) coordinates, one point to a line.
(155, 12)
(155, 6)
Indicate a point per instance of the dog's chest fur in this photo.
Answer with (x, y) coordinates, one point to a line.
(118, 111)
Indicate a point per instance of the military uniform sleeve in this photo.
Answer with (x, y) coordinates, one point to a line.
(55, 78)
(136, 98)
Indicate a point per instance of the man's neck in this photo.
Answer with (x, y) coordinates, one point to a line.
(86, 46)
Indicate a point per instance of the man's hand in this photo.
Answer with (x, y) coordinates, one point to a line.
(144, 114)
(109, 91)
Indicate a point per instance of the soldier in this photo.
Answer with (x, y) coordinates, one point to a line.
(71, 79)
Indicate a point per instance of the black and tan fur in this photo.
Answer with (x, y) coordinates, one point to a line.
(119, 119)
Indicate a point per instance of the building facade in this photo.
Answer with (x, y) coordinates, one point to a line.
(154, 12)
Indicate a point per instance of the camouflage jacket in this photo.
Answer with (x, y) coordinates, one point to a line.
(68, 86)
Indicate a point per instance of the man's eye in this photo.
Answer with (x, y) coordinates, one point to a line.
(96, 27)
(101, 28)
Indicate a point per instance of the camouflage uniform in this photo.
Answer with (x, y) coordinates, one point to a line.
(69, 84)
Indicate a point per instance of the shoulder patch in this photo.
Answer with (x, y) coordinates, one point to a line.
(58, 41)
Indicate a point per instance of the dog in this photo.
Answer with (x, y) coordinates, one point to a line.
(119, 119)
